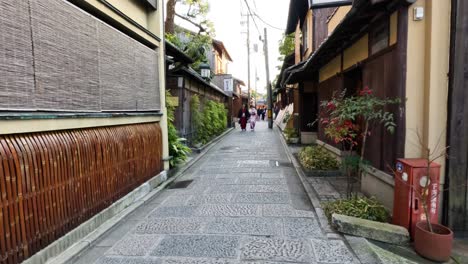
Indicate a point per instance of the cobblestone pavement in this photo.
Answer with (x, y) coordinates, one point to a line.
(245, 205)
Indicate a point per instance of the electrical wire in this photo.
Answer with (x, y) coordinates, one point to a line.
(253, 18)
(268, 24)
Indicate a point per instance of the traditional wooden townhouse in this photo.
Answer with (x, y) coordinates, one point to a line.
(82, 120)
(406, 49)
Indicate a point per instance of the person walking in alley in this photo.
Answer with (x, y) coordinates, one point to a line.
(264, 113)
(253, 117)
(243, 116)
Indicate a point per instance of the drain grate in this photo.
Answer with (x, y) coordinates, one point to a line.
(180, 184)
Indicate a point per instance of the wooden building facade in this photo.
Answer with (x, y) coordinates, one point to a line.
(398, 53)
(184, 82)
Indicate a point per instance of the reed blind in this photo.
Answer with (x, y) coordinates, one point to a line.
(55, 57)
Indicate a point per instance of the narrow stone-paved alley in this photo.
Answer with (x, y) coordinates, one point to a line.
(245, 204)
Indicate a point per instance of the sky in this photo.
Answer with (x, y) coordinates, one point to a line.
(226, 17)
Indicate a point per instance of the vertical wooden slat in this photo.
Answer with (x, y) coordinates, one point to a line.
(26, 190)
(4, 239)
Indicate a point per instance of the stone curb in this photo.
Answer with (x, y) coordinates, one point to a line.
(311, 193)
(216, 139)
(85, 235)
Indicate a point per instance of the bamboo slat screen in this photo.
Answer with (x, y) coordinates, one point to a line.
(53, 181)
(55, 57)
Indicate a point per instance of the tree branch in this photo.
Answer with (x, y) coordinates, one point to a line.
(201, 28)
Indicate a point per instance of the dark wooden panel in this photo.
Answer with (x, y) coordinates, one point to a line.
(379, 74)
(327, 89)
(52, 182)
(457, 164)
(320, 30)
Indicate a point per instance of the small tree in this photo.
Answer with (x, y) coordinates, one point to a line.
(341, 121)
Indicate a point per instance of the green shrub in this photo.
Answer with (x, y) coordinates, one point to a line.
(317, 158)
(177, 148)
(361, 207)
(208, 121)
(291, 132)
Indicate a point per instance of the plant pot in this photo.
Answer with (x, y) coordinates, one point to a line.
(435, 246)
(197, 145)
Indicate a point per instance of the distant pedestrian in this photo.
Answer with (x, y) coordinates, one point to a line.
(243, 116)
(277, 110)
(263, 113)
(253, 117)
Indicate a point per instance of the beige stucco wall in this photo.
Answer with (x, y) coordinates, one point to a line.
(427, 81)
(337, 17)
(393, 28)
(309, 22)
(41, 125)
(359, 51)
(329, 70)
(150, 21)
(297, 44)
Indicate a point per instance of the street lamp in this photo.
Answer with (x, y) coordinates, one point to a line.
(205, 70)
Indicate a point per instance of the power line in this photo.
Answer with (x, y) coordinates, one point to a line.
(253, 18)
(268, 24)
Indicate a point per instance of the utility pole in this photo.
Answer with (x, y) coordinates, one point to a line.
(256, 91)
(248, 60)
(270, 99)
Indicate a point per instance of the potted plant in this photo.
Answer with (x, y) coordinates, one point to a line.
(431, 240)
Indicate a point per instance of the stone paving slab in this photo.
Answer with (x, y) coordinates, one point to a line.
(302, 227)
(134, 245)
(262, 198)
(127, 260)
(263, 181)
(229, 210)
(332, 251)
(276, 249)
(173, 211)
(245, 225)
(170, 226)
(198, 246)
(210, 199)
(198, 261)
(176, 200)
(283, 210)
(249, 188)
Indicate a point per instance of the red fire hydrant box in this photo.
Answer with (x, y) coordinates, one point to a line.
(410, 179)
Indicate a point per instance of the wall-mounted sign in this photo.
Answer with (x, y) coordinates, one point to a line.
(228, 85)
(328, 3)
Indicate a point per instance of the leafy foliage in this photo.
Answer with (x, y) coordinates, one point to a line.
(344, 112)
(291, 132)
(286, 46)
(194, 45)
(342, 118)
(208, 121)
(177, 148)
(361, 207)
(317, 158)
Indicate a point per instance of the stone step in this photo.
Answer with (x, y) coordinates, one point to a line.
(370, 229)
